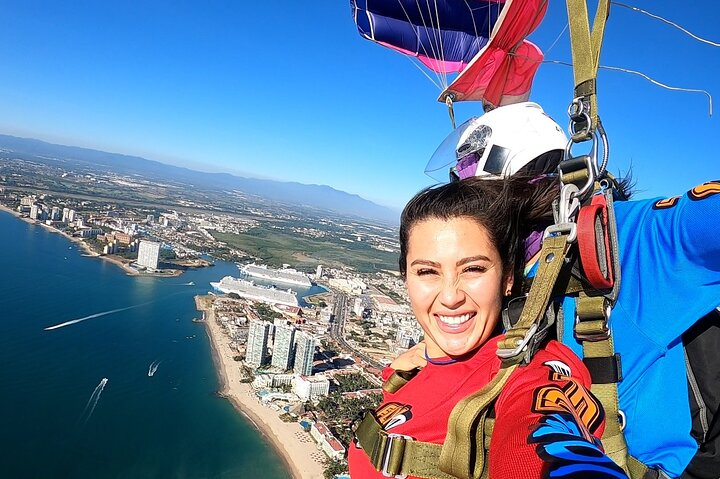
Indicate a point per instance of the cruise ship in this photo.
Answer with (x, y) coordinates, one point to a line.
(285, 275)
(249, 290)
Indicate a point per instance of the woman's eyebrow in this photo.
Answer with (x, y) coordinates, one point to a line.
(426, 262)
(470, 259)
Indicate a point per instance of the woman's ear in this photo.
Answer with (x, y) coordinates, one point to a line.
(508, 284)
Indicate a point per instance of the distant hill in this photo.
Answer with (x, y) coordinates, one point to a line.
(315, 196)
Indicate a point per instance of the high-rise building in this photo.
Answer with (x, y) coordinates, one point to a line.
(55, 213)
(34, 211)
(150, 219)
(304, 353)
(71, 216)
(282, 357)
(148, 254)
(65, 214)
(256, 352)
(318, 271)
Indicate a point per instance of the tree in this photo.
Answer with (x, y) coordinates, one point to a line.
(333, 467)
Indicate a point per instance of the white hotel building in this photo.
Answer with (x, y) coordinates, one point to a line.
(148, 254)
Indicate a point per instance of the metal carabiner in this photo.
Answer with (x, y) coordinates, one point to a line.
(568, 207)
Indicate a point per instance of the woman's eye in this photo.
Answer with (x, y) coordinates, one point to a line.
(475, 269)
(425, 271)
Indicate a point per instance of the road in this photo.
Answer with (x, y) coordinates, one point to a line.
(337, 329)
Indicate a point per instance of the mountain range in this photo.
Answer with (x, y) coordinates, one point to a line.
(297, 194)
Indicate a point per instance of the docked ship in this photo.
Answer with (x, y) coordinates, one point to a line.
(249, 290)
(284, 275)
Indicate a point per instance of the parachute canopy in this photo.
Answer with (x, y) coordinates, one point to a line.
(483, 40)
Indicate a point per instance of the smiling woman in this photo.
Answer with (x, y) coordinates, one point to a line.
(456, 282)
(460, 253)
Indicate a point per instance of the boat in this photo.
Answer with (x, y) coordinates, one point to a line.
(153, 367)
(284, 275)
(249, 290)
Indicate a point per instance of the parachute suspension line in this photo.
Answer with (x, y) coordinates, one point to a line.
(440, 40)
(668, 87)
(451, 111)
(671, 23)
(440, 79)
(648, 78)
(434, 45)
(434, 81)
(557, 39)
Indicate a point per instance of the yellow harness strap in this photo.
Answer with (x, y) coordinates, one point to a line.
(586, 57)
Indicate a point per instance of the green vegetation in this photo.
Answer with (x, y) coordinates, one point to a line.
(339, 412)
(248, 375)
(353, 382)
(275, 246)
(266, 313)
(285, 417)
(334, 467)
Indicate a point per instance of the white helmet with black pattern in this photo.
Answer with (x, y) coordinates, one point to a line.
(497, 144)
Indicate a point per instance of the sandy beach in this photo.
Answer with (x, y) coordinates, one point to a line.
(301, 455)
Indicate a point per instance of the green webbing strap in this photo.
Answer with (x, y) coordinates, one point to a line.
(552, 258)
(464, 453)
(613, 439)
(638, 470)
(397, 455)
(399, 379)
(586, 56)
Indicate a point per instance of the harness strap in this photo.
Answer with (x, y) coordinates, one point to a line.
(594, 243)
(552, 258)
(585, 46)
(398, 379)
(396, 455)
(464, 454)
(613, 439)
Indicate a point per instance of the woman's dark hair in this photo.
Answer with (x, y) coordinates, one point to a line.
(509, 209)
(491, 203)
(548, 162)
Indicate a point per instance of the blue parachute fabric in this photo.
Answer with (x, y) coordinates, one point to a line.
(449, 32)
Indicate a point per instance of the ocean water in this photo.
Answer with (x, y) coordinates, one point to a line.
(56, 418)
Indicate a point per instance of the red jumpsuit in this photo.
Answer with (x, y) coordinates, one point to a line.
(547, 422)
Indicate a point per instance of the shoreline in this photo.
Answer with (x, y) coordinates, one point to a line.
(281, 436)
(87, 251)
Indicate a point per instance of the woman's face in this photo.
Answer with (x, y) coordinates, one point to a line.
(455, 282)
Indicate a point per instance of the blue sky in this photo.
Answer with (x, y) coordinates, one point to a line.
(289, 90)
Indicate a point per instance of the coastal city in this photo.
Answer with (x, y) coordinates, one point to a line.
(299, 347)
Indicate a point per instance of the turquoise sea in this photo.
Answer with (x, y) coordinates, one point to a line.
(60, 419)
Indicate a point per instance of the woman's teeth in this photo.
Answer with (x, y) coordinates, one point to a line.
(454, 319)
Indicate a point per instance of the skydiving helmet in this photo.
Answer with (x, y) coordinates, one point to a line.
(496, 144)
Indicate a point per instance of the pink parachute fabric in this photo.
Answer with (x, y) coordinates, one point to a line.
(484, 40)
(503, 71)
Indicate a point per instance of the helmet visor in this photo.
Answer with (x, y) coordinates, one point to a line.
(445, 157)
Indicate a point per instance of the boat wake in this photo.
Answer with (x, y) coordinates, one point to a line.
(92, 402)
(153, 367)
(92, 316)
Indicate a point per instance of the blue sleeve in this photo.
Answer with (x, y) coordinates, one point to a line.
(670, 262)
